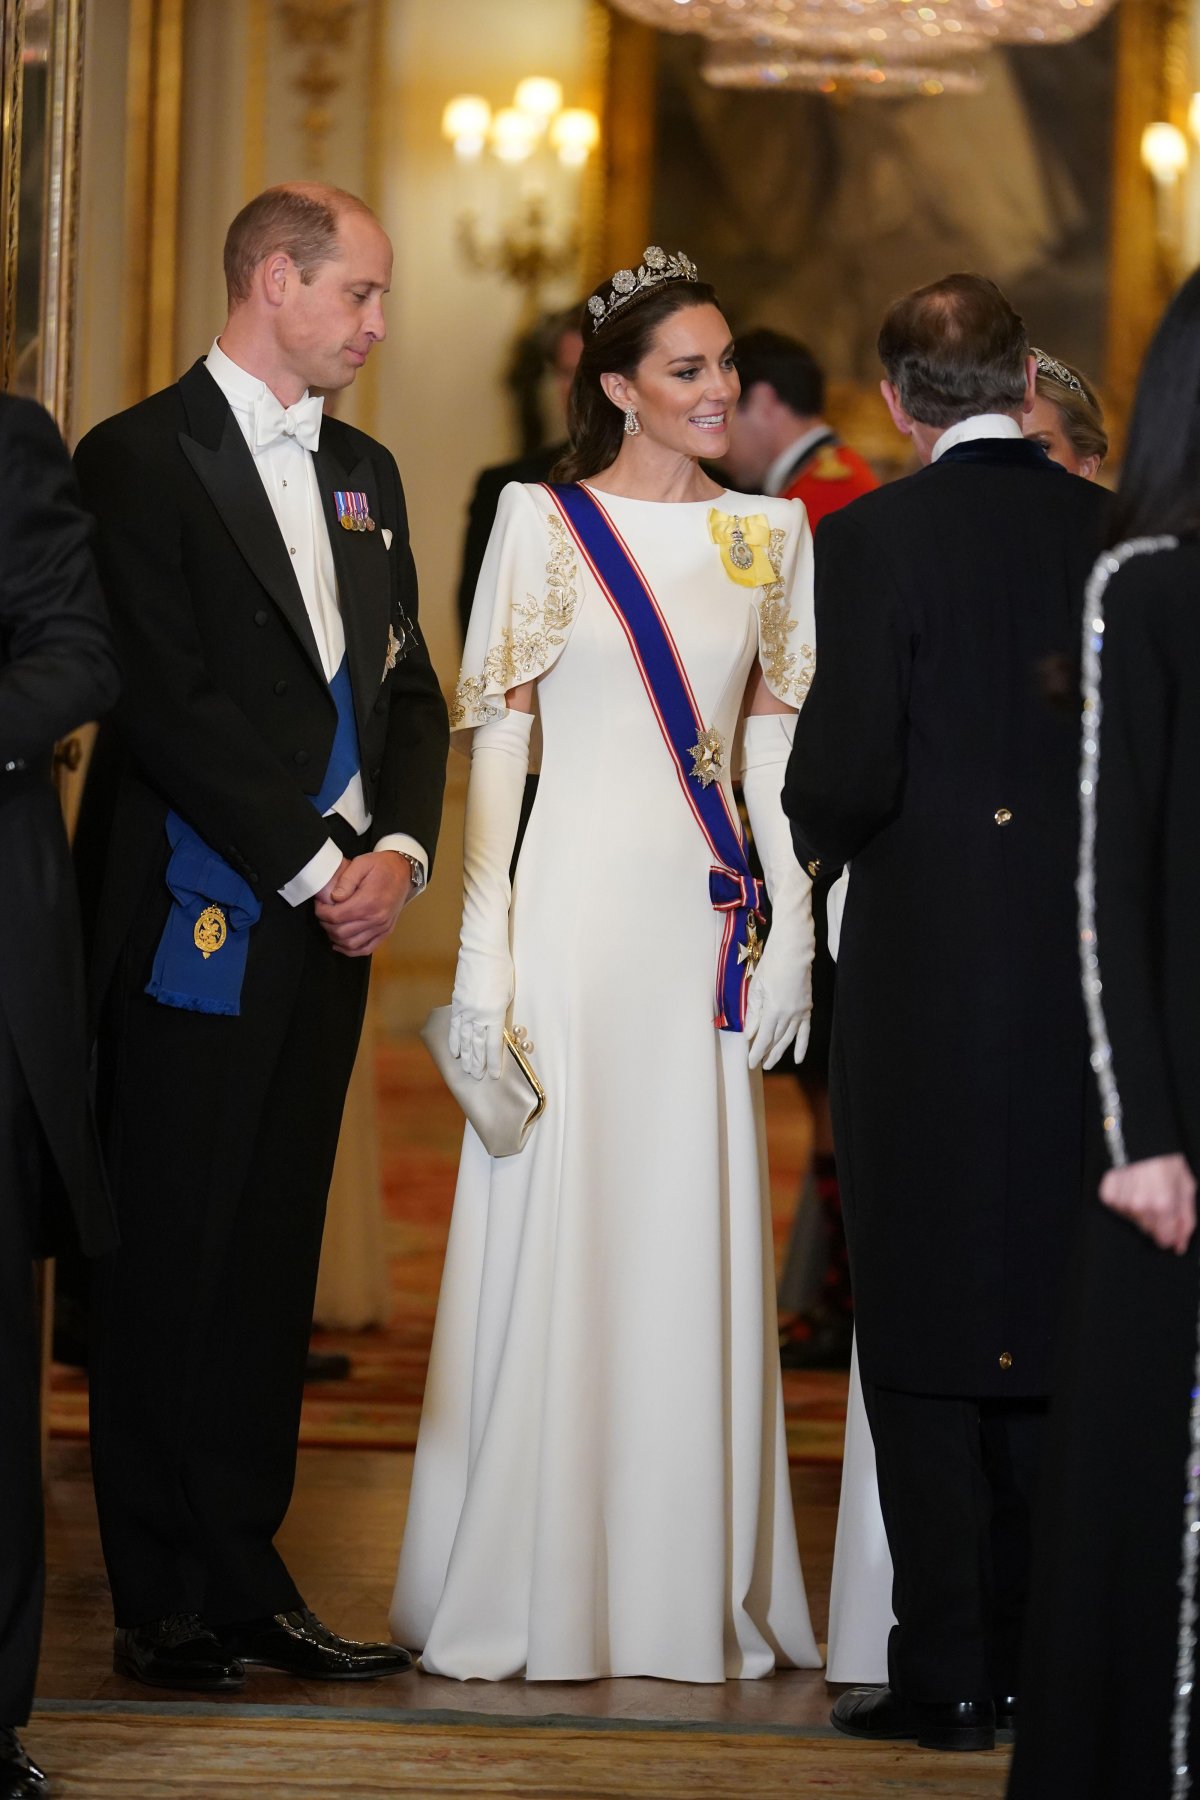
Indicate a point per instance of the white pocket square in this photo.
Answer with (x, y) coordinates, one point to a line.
(387, 537)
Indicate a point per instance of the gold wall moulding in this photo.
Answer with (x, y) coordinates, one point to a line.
(320, 29)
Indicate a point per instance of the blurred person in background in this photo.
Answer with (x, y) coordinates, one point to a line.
(561, 344)
(1066, 418)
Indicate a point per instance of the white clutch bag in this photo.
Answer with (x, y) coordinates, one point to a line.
(502, 1112)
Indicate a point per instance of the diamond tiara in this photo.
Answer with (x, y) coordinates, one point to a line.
(655, 267)
(1058, 371)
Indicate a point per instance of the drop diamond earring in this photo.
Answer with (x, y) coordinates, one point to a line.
(632, 423)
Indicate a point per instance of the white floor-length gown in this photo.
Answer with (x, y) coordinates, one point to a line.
(601, 1483)
(860, 1598)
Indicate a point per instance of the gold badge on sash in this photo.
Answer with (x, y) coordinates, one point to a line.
(708, 757)
(210, 931)
(751, 951)
(743, 540)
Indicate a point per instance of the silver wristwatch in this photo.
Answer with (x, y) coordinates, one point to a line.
(417, 867)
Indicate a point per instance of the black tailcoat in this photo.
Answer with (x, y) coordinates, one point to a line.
(57, 670)
(927, 757)
(221, 1132)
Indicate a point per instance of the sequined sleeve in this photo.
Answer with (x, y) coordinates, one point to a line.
(525, 604)
(786, 618)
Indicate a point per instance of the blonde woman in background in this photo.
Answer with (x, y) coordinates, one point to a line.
(1066, 418)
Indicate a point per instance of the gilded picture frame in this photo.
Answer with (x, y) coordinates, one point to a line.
(40, 120)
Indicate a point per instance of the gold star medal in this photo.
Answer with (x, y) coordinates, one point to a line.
(751, 951)
(209, 932)
(708, 757)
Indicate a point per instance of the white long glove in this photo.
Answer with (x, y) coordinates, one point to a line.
(780, 1004)
(483, 979)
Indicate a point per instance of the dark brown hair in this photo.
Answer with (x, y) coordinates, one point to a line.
(954, 349)
(301, 220)
(596, 425)
(1079, 409)
(786, 365)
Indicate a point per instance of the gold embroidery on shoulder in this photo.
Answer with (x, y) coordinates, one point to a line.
(789, 672)
(528, 645)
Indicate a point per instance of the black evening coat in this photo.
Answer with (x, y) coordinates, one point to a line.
(927, 757)
(226, 715)
(57, 671)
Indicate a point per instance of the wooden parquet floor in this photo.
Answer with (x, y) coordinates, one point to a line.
(111, 1759)
(101, 1736)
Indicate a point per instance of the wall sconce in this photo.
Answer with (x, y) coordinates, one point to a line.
(1164, 152)
(553, 143)
(515, 133)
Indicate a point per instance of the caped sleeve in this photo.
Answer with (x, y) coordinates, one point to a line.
(526, 601)
(787, 630)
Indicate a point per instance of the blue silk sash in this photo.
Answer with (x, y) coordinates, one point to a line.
(200, 962)
(733, 889)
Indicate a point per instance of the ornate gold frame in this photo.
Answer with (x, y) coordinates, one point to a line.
(60, 189)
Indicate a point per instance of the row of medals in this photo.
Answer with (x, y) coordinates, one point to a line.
(357, 522)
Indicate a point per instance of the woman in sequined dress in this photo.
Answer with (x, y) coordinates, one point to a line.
(1107, 1711)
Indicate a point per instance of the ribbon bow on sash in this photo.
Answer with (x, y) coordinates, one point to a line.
(743, 540)
(733, 889)
(302, 421)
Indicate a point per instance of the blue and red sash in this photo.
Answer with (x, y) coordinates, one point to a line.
(732, 888)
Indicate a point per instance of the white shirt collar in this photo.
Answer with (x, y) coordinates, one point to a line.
(982, 425)
(239, 387)
(776, 476)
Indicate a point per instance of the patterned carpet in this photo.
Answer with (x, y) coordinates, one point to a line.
(378, 1407)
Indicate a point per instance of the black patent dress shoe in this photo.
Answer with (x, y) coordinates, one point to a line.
(299, 1644)
(20, 1777)
(1006, 1712)
(934, 1724)
(176, 1652)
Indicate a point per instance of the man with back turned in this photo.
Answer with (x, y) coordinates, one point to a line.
(283, 743)
(927, 756)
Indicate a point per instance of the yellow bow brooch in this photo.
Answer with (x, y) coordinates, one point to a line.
(743, 543)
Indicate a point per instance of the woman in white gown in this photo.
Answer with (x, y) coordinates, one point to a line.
(601, 1483)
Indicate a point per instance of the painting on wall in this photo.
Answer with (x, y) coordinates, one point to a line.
(810, 213)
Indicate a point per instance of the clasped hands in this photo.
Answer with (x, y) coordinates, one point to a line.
(361, 904)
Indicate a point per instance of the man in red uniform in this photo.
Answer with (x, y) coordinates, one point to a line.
(781, 444)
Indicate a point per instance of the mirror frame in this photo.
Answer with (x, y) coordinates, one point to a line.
(60, 195)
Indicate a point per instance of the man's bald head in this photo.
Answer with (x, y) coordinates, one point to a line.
(299, 218)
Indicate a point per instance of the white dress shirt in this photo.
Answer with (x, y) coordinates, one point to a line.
(982, 425)
(776, 476)
(289, 475)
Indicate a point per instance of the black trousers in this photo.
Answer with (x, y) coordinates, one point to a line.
(22, 1559)
(957, 1481)
(221, 1135)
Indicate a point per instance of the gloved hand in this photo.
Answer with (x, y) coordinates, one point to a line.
(483, 978)
(779, 1007)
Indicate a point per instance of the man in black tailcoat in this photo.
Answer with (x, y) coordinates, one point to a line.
(283, 741)
(56, 670)
(927, 758)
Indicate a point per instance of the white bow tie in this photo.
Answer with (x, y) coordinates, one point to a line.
(301, 421)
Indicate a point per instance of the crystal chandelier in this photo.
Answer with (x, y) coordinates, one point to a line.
(729, 64)
(882, 29)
